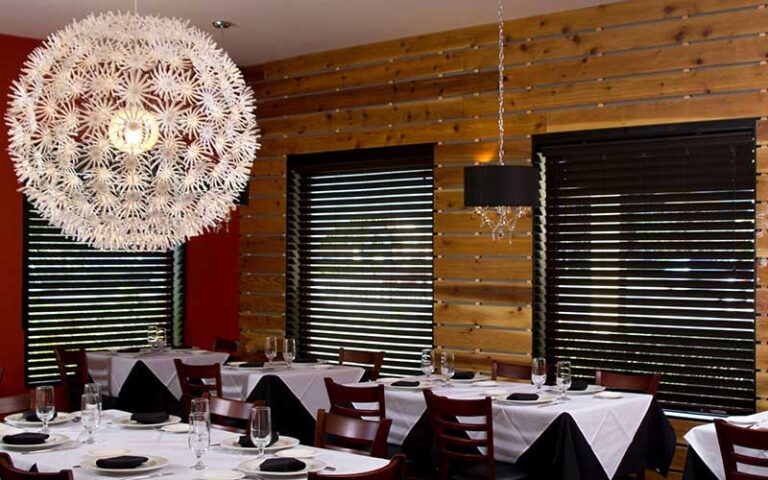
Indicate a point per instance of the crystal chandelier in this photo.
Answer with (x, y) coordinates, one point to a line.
(501, 194)
(132, 132)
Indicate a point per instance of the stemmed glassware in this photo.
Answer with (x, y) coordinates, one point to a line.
(152, 336)
(427, 362)
(261, 428)
(199, 437)
(90, 414)
(270, 348)
(289, 351)
(45, 405)
(539, 372)
(563, 378)
(447, 366)
(200, 405)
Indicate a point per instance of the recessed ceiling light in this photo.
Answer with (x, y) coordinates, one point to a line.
(221, 24)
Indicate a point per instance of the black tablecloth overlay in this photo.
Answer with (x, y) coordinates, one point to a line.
(289, 416)
(695, 468)
(144, 392)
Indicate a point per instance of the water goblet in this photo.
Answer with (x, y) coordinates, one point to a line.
(199, 437)
(261, 428)
(539, 372)
(45, 405)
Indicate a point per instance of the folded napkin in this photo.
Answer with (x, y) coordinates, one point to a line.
(463, 375)
(405, 383)
(252, 365)
(30, 416)
(578, 385)
(26, 438)
(304, 360)
(526, 397)
(121, 462)
(245, 440)
(282, 465)
(150, 418)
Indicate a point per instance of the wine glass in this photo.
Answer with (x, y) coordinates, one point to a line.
(90, 414)
(427, 362)
(447, 366)
(152, 336)
(261, 428)
(200, 405)
(199, 437)
(270, 348)
(45, 405)
(289, 351)
(563, 378)
(539, 372)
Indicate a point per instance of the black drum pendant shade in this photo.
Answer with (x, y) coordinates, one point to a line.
(500, 186)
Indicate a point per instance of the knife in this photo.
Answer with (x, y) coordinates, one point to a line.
(151, 475)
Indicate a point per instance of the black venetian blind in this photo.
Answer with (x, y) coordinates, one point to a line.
(360, 253)
(79, 297)
(645, 255)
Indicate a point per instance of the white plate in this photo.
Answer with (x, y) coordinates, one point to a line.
(282, 443)
(495, 392)
(198, 352)
(609, 395)
(486, 383)
(323, 366)
(176, 428)
(126, 422)
(477, 378)
(591, 389)
(152, 463)
(107, 452)
(387, 381)
(234, 364)
(299, 452)
(251, 467)
(420, 386)
(220, 475)
(17, 419)
(541, 400)
(53, 440)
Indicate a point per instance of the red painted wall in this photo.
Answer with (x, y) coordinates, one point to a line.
(212, 259)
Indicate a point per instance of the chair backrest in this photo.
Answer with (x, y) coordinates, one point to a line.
(646, 383)
(451, 437)
(227, 345)
(731, 436)
(510, 370)
(15, 404)
(374, 359)
(231, 415)
(350, 434)
(342, 398)
(9, 472)
(192, 380)
(73, 373)
(392, 471)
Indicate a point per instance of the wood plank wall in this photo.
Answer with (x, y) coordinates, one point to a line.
(640, 62)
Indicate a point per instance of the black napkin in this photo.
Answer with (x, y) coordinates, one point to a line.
(578, 385)
(463, 375)
(304, 360)
(526, 397)
(150, 418)
(405, 383)
(26, 438)
(245, 440)
(30, 416)
(121, 462)
(282, 465)
(252, 365)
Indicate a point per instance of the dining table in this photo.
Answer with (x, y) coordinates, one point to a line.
(114, 438)
(585, 436)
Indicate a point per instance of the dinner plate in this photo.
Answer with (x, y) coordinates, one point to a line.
(476, 378)
(53, 440)
(387, 381)
(126, 422)
(321, 366)
(420, 386)
(153, 463)
(495, 392)
(591, 389)
(609, 395)
(539, 401)
(198, 352)
(17, 419)
(297, 452)
(486, 383)
(176, 428)
(251, 467)
(234, 364)
(282, 443)
(220, 475)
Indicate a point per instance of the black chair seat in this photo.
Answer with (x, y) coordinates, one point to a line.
(474, 471)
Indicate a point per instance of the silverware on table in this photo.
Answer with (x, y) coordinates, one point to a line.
(71, 445)
(149, 475)
(550, 404)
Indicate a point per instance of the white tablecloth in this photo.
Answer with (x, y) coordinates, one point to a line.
(703, 439)
(305, 381)
(111, 369)
(172, 446)
(608, 425)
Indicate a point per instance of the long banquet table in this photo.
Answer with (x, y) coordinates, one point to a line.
(172, 446)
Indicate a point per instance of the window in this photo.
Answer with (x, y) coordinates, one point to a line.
(360, 253)
(76, 296)
(644, 250)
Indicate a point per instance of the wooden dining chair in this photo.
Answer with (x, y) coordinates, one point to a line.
(192, 379)
(15, 404)
(231, 415)
(73, 374)
(458, 455)
(731, 436)
(343, 398)
(646, 383)
(226, 345)
(374, 359)
(9, 472)
(510, 370)
(350, 434)
(391, 471)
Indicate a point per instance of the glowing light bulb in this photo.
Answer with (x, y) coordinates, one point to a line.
(133, 130)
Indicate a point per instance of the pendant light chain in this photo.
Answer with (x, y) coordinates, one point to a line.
(501, 81)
